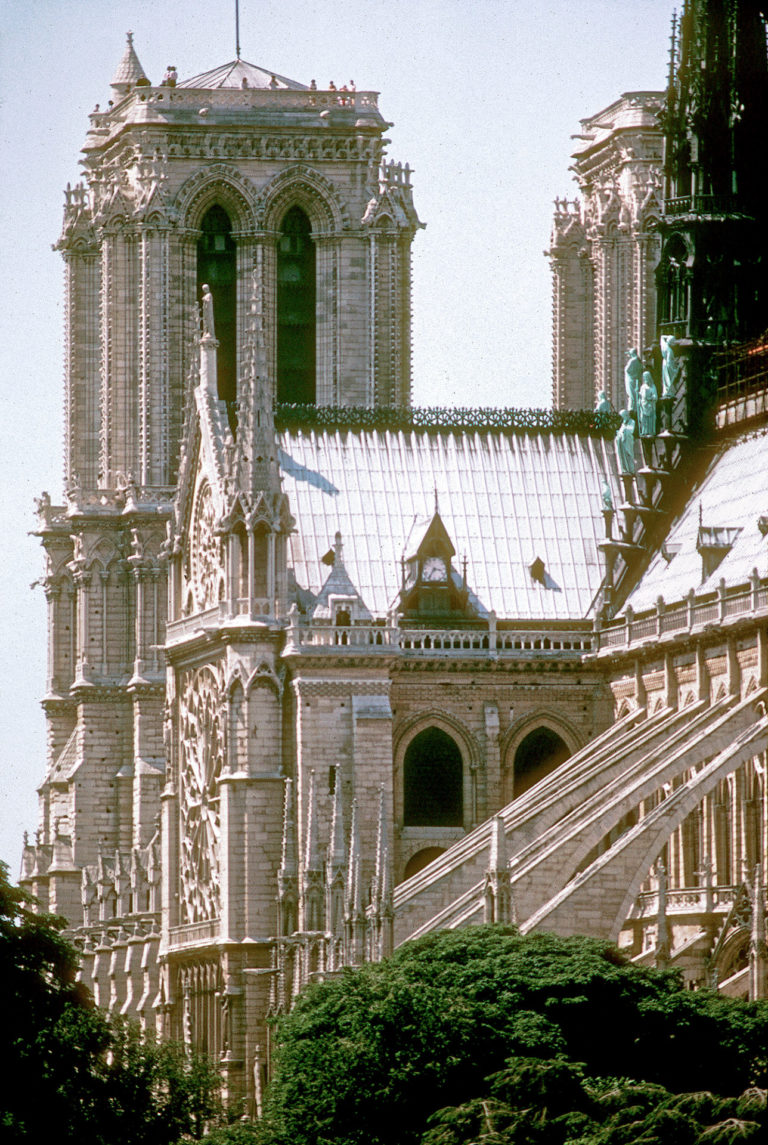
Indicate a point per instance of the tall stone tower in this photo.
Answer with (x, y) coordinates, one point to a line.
(603, 252)
(272, 201)
(712, 273)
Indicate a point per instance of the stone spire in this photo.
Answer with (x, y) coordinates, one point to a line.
(287, 876)
(312, 873)
(498, 902)
(335, 881)
(355, 915)
(758, 953)
(256, 465)
(129, 70)
(381, 911)
(662, 924)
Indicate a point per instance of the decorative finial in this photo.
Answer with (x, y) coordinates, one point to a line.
(237, 29)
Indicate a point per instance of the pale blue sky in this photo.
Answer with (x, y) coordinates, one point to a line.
(484, 97)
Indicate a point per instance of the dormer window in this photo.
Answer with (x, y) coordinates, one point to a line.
(714, 542)
(431, 588)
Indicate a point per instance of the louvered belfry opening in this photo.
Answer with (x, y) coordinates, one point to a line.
(296, 309)
(217, 266)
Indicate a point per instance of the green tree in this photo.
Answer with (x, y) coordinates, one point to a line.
(67, 1073)
(512, 1037)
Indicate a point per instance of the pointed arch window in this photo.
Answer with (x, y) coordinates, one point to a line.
(433, 781)
(540, 752)
(217, 266)
(296, 306)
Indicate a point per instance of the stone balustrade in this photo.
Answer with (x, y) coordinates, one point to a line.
(194, 933)
(685, 616)
(423, 642)
(686, 900)
(182, 98)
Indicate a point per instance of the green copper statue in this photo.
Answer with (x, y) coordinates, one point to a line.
(633, 371)
(646, 407)
(670, 366)
(625, 444)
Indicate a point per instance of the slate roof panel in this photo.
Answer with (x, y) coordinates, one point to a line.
(733, 494)
(504, 498)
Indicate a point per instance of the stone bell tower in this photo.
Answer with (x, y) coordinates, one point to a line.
(235, 176)
(195, 182)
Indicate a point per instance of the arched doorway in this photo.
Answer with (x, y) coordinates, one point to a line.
(540, 752)
(433, 781)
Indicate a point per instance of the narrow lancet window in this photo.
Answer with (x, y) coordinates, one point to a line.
(296, 301)
(216, 265)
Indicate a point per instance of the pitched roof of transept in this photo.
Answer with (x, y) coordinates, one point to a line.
(505, 498)
(730, 507)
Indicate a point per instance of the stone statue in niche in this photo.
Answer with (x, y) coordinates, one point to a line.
(209, 330)
(633, 372)
(603, 404)
(670, 366)
(646, 410)
(625, 444)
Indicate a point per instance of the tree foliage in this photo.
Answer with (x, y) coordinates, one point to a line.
(68, 1073)
(482, 1034)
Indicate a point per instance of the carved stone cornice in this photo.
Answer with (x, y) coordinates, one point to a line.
(304, 688)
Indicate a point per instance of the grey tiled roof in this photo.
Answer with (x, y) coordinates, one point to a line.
(233, 74)
(726, 505)
(505, 499)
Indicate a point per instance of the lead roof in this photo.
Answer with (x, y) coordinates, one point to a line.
(504, 498)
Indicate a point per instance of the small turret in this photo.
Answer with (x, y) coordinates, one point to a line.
(287, 876)
(498, 901)
(312, 874)
(129, 71)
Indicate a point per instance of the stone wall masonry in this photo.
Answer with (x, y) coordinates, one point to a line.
(572, 703)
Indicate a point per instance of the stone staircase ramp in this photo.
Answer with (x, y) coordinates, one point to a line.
(476, 842)
(551, 861)
(436, 889)
(597, 900)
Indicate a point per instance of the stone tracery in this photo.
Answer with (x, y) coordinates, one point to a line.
(200, 767)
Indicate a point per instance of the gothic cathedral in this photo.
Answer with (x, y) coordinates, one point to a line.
(325, 672)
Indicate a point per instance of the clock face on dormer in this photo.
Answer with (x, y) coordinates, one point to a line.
(200, 765)
(433, 570)
(205, 550)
